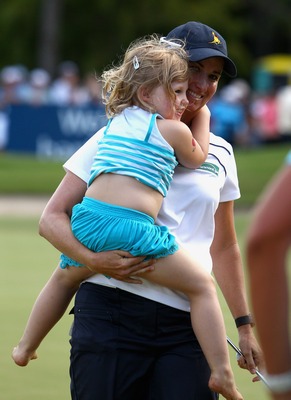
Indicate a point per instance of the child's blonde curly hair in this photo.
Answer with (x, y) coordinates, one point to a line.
(148, 62)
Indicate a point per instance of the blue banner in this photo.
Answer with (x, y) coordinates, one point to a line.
(51, 131)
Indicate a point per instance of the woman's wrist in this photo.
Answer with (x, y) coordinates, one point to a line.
(94, 262)
(244, 320)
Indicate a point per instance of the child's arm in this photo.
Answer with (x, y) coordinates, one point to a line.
(48, 309)
(190, 146)
(200, 128)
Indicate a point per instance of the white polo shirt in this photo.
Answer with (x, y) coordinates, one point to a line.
(188, 210)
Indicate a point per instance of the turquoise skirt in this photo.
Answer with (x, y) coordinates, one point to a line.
(102, 227)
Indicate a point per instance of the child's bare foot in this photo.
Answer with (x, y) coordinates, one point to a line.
(22, 357)
(222, 382)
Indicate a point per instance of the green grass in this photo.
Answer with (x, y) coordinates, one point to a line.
(256, 167)
(29, 175)
(27, 262)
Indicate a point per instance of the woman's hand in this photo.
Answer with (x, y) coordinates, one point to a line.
(120, 265)
(253, 357)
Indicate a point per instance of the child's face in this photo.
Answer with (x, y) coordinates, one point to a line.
(164, 104)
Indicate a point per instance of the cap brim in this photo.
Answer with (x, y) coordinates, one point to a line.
(199, 54)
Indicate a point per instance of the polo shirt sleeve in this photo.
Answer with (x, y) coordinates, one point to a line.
(81, 161)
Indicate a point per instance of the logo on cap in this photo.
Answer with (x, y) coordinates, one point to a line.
(215, 39)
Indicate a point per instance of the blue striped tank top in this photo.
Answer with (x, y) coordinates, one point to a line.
(132, 145)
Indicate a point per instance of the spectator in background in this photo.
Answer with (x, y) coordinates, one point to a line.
(12, 89)
(38, 91)
(268, 242)
(13, 85)
(229, 113)
(284, 111)
(94, 87)
(67, 88)
(265, 118)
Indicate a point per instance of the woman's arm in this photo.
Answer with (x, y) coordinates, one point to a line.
(56, 228)
(268, 242)
(228, 271)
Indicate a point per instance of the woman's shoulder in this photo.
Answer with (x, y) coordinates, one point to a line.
(218, 143)
(222, 151)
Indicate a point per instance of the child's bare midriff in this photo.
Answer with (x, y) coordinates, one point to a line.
(125, 191)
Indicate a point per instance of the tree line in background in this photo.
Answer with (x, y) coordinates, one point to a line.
(93, 33)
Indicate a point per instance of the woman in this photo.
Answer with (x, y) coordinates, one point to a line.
(136, 341)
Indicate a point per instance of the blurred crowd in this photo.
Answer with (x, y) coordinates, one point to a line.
(18, 85)
(239, 114)
(247, 118)
(36, 87)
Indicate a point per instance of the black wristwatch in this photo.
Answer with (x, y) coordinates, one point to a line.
(244, 320)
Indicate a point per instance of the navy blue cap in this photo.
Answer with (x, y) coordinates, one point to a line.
(203, 42)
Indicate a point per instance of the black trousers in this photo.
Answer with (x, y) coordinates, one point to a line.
(125, 347)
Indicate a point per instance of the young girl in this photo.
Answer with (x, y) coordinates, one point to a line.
(143, 142)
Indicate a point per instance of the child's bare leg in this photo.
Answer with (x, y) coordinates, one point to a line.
(180, 272)
(49, 307)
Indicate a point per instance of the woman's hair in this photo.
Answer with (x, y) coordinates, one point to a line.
(148, 62)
